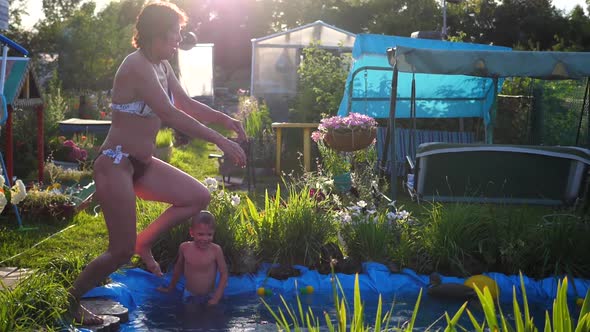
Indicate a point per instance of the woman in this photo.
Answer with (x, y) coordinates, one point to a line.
(143, 88)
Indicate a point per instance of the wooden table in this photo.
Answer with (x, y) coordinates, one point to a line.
(307, 127)
(75, 125)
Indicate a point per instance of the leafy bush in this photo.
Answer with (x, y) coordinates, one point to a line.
(320, 87)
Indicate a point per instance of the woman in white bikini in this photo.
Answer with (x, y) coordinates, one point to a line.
(143, 88)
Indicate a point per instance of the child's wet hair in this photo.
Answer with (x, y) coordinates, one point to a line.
(204, 218)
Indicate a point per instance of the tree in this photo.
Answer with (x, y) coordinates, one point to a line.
(59, 10)
(528, 24)
(92, 47)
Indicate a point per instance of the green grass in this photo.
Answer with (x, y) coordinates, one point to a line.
(89, 234)
(193, 159)
(164, 138)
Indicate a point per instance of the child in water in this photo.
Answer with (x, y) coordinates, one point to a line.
(199, 261)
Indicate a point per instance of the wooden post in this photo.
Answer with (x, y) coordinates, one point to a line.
(9, 146)
(307, 148)
(278, 154)
(40, 142)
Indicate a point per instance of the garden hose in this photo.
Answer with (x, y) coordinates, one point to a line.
(36, 244)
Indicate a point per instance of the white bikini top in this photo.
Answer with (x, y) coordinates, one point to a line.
(139, 108)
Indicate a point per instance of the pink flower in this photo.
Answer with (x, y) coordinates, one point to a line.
(70, 144)
(350, 121)
(317, 136)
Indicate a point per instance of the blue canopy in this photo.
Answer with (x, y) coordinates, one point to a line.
(490, 63)
(368, 86)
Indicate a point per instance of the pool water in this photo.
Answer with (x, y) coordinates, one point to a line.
(248, 313)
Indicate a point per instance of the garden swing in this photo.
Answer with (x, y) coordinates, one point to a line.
(6, 44)
(373, 99)
(493, 173)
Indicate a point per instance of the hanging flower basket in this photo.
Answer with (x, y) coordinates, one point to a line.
(349, 133)
(350, 139)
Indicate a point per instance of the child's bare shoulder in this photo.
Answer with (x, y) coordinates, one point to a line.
(216, 247)
(185, 245)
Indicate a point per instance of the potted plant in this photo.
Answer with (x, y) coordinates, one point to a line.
(349, 133)
(164, 144)
(257, 125)
(67, 153)
(333, 163)
(50, 202)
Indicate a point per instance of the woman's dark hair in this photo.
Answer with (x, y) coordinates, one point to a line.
(155, 20)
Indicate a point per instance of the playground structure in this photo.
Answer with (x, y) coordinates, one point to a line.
(18, 88)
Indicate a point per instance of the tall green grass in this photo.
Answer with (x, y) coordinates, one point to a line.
(40, 300)
(353, 319)
(293, 230)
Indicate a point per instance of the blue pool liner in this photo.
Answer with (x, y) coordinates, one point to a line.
(131, 287)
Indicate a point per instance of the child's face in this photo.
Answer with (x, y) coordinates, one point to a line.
(202, 234)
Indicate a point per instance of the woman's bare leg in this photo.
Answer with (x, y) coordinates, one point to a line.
(115, 193)
(163, 182)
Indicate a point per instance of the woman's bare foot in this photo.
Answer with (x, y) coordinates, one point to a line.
(149, 261)
(83, 316)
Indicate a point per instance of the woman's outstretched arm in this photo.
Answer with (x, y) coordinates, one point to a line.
(151, 92)
(200, 111)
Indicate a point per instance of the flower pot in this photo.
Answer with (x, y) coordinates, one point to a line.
(342, 182)
(65, 210)
(348, 140)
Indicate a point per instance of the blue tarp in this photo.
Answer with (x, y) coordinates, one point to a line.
(132, 287)
(368, 85)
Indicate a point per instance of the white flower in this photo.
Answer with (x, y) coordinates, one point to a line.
(403, 214)
(235, 200)
(370, 212)
(1, 179)
(391, 216)
(361, 204)
(3, 202)
(211, 184)
(374, 184)
(345, 217)
(18, 192)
